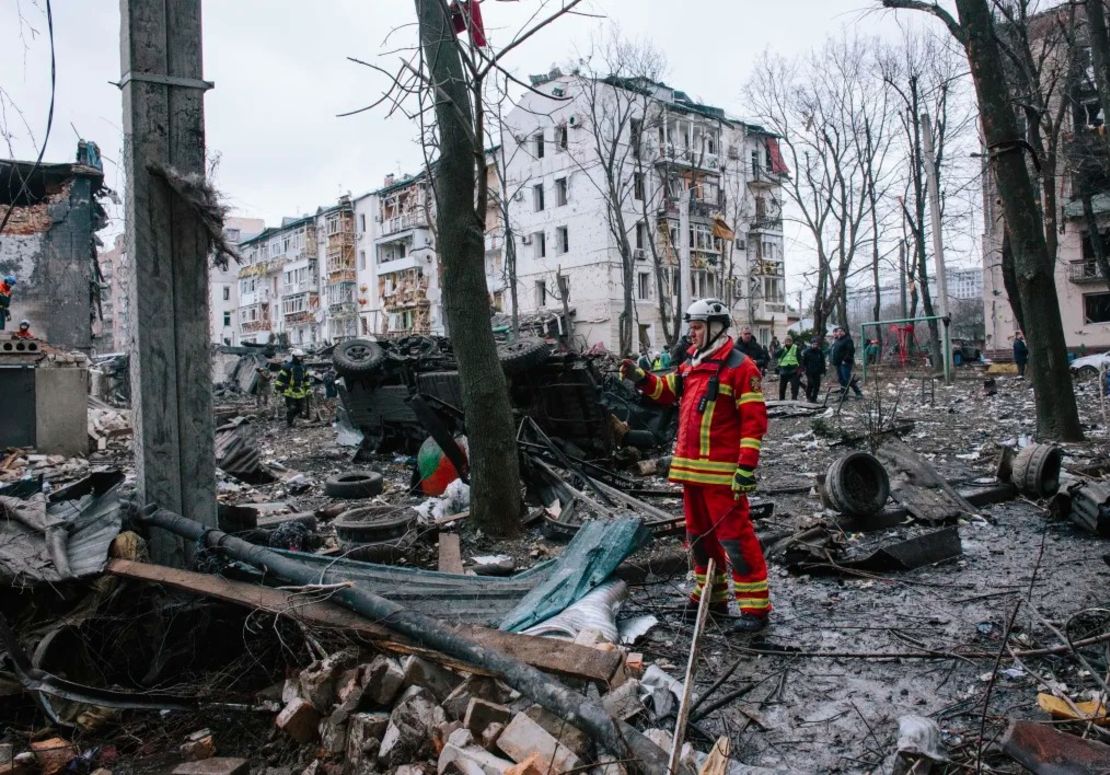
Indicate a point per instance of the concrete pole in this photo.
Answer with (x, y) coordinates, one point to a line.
(163, 124)
(938, 242)
(685, 293)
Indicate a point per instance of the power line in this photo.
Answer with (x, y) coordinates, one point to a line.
(49, 116)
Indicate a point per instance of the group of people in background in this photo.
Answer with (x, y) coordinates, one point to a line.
(800, 365)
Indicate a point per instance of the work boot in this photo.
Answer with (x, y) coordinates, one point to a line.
(717, 611)
(748, 624)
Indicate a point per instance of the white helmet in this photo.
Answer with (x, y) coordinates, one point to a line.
(297, 353)
(714, 313)
(709, 310)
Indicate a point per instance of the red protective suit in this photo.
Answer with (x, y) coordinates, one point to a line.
(715, 435)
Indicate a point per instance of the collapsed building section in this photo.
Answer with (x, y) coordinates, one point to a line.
(51, 215)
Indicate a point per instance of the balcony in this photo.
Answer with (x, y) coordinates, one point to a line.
(767, 224)
(343, 309)
(668, 153)
(257, 296)
(767, 268)
(1083, 272)
(252, 326)
(764, 178)
(304, 286)
(414, 220)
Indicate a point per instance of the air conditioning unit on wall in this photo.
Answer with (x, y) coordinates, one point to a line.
(525, 239)
(573, 120)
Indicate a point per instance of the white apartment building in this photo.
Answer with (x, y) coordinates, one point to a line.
(223, 284)
(699, 191)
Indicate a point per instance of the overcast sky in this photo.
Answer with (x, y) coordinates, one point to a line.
(281, 77)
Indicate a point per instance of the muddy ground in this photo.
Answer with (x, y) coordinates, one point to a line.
(847, 655)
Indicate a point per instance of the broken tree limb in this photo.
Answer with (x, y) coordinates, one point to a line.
(622, 740)
(691, 666)
(554, 656)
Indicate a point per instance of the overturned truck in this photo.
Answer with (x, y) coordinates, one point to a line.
(393, 390)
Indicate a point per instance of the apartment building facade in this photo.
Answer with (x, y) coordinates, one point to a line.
(699, 195)
(1082, 291)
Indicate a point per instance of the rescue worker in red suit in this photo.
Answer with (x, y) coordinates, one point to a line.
(722, 420)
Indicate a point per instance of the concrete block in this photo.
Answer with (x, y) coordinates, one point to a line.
(409, 734)
(364, 735)
(333, 733)
(442, 733)
(570, 736)
(299, 720)
(524, 737)
(474, 686)
(319, 681)
(480, 714)
(217, 765)
(624, 702)
(418, 768)
(608, 765)
(381, 680)
(470, 760)
(62, 410)
(439, 681)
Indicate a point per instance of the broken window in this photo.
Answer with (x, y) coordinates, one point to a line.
(564, 286)
(541, 292)
(635, 131)
(641, 235)
(538, 141)
(1096, 308)
(643, 286)
(561, 137)
(362, 222)
(539, 239)
(755, 162)
(537, 197)
(638, 185)
(562, 237)
(560, 192)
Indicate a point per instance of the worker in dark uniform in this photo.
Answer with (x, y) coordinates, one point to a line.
(293, 384)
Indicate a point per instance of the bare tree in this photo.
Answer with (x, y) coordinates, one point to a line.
(615, 82)
(823, 106)
(1057, 415)
(922, 75)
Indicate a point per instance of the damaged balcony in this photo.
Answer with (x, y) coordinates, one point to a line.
(1084, 272)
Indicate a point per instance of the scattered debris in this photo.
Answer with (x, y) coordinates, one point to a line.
(1046, 751)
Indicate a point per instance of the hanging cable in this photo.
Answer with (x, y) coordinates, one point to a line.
(49, 116)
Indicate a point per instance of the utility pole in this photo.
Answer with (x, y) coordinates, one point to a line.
(902, 276)
(163, 128)
(938, 242)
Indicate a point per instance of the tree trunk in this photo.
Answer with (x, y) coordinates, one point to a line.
(495, 503)
(1009, 280)
(1057, 416)
(1099, 41)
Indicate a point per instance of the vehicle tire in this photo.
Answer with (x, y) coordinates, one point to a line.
(857, 484)
(522, 354)
(354, 484)
(1085, 373)
(372, 524)
(1035, 470)
(357, 357)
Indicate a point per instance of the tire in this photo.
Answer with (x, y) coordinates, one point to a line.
(1036, 470)
(522, 354)
(373, 524)
(354, 484)
(857, 484)
(1085, 373)
(357, 357)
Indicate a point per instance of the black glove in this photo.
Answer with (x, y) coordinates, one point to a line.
(743, 481)
(632, 372)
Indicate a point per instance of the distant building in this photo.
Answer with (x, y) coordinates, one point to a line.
(223, 284)
(49, 245)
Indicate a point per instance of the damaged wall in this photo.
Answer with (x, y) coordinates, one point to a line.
(49, 246)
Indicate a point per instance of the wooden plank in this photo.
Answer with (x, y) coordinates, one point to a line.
(554, 656)
(450, 553)
(691, 667)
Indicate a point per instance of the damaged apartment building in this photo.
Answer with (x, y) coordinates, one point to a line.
(48, 243)
(699, 197)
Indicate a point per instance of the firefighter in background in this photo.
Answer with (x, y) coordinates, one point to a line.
(292, 382)
(6, 286)
(722, 419)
